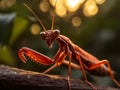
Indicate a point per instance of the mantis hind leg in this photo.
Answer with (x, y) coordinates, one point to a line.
(69, 69)
(84, 73)
(109, 67)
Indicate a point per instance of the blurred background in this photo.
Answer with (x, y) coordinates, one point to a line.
(91, 24)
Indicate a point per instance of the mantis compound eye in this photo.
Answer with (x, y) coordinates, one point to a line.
(56, 33)
(42, 35)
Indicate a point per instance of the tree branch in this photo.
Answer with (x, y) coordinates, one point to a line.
(13, 79)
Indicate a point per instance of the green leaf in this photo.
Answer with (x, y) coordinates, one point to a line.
(6, 56)
(20, 25)
(6, 26)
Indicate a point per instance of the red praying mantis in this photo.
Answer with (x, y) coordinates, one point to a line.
(86, 61)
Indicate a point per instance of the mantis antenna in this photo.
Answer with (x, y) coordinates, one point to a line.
(52, 27)
(35, 16)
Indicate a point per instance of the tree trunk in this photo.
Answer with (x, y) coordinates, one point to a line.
(13, 79)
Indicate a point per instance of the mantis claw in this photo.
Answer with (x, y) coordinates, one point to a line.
(22, 56)
(34, 56)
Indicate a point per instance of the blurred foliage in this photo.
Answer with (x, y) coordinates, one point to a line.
(98, 34)
(18, 28)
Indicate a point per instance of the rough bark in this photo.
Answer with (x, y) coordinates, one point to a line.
(14, 79)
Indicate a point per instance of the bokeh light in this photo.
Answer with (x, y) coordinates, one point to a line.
(6, 3)
(61, 10)
(90, 8)
(100, 1)
(35, 29)
(44, 6)
(76, 21)
(73, 5)
(64, 8)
